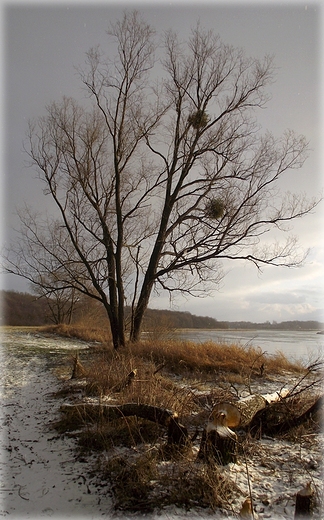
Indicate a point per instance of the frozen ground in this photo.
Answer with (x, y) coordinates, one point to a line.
(42, 477)
(39, 474)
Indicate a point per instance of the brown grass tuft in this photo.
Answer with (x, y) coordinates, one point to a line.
(209, 357)
(83, 331)
(146, 483)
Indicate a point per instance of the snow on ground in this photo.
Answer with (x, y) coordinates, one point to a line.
(41, 476)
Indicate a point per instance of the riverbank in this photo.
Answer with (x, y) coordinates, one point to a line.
(98, 469)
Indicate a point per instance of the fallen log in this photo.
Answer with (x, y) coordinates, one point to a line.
(92, 412)
(274, 421)
(219, 442)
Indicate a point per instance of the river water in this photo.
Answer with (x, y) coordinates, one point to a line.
(295, 345)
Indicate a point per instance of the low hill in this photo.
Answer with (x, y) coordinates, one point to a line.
(24, 309)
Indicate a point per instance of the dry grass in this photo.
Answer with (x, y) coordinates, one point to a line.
(184, 357)
(144, 472)
(84, 331)
(149, 482)
(209, 357)
(106, 375)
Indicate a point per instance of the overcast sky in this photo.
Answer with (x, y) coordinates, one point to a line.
(42, 45)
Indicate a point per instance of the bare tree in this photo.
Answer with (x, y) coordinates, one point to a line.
(157, 183)
(37, 257)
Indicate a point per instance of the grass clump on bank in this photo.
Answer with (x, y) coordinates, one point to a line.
(185, 357)
(87, 331)
(211, 357)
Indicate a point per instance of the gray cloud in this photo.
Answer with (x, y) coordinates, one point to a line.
(283, 298)
(42, 46)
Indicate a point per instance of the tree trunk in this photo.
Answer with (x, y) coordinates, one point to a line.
(144, 299)
(117, 328)
(149, 278)
(92, 412)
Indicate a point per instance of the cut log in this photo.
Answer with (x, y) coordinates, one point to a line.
(304, 502)
(219, 442)
(92, 412)
(239, 414)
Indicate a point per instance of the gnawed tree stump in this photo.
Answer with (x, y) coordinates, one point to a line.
(126, 382)
(93, 412)
(246, 511)
(304, 502)
(78, 370)
(219, 442)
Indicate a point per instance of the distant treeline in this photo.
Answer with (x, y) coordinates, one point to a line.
(24, 309)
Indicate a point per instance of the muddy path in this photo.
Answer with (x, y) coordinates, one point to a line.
(40, 473)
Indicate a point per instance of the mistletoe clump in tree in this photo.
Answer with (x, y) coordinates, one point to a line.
(157, 183)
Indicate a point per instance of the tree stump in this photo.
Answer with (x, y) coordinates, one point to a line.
(218, 446)
(219, 442)
(126, 382)
(304, 502)
(78, 370)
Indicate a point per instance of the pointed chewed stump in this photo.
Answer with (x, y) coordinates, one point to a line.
(219, 442)
(304, 502)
